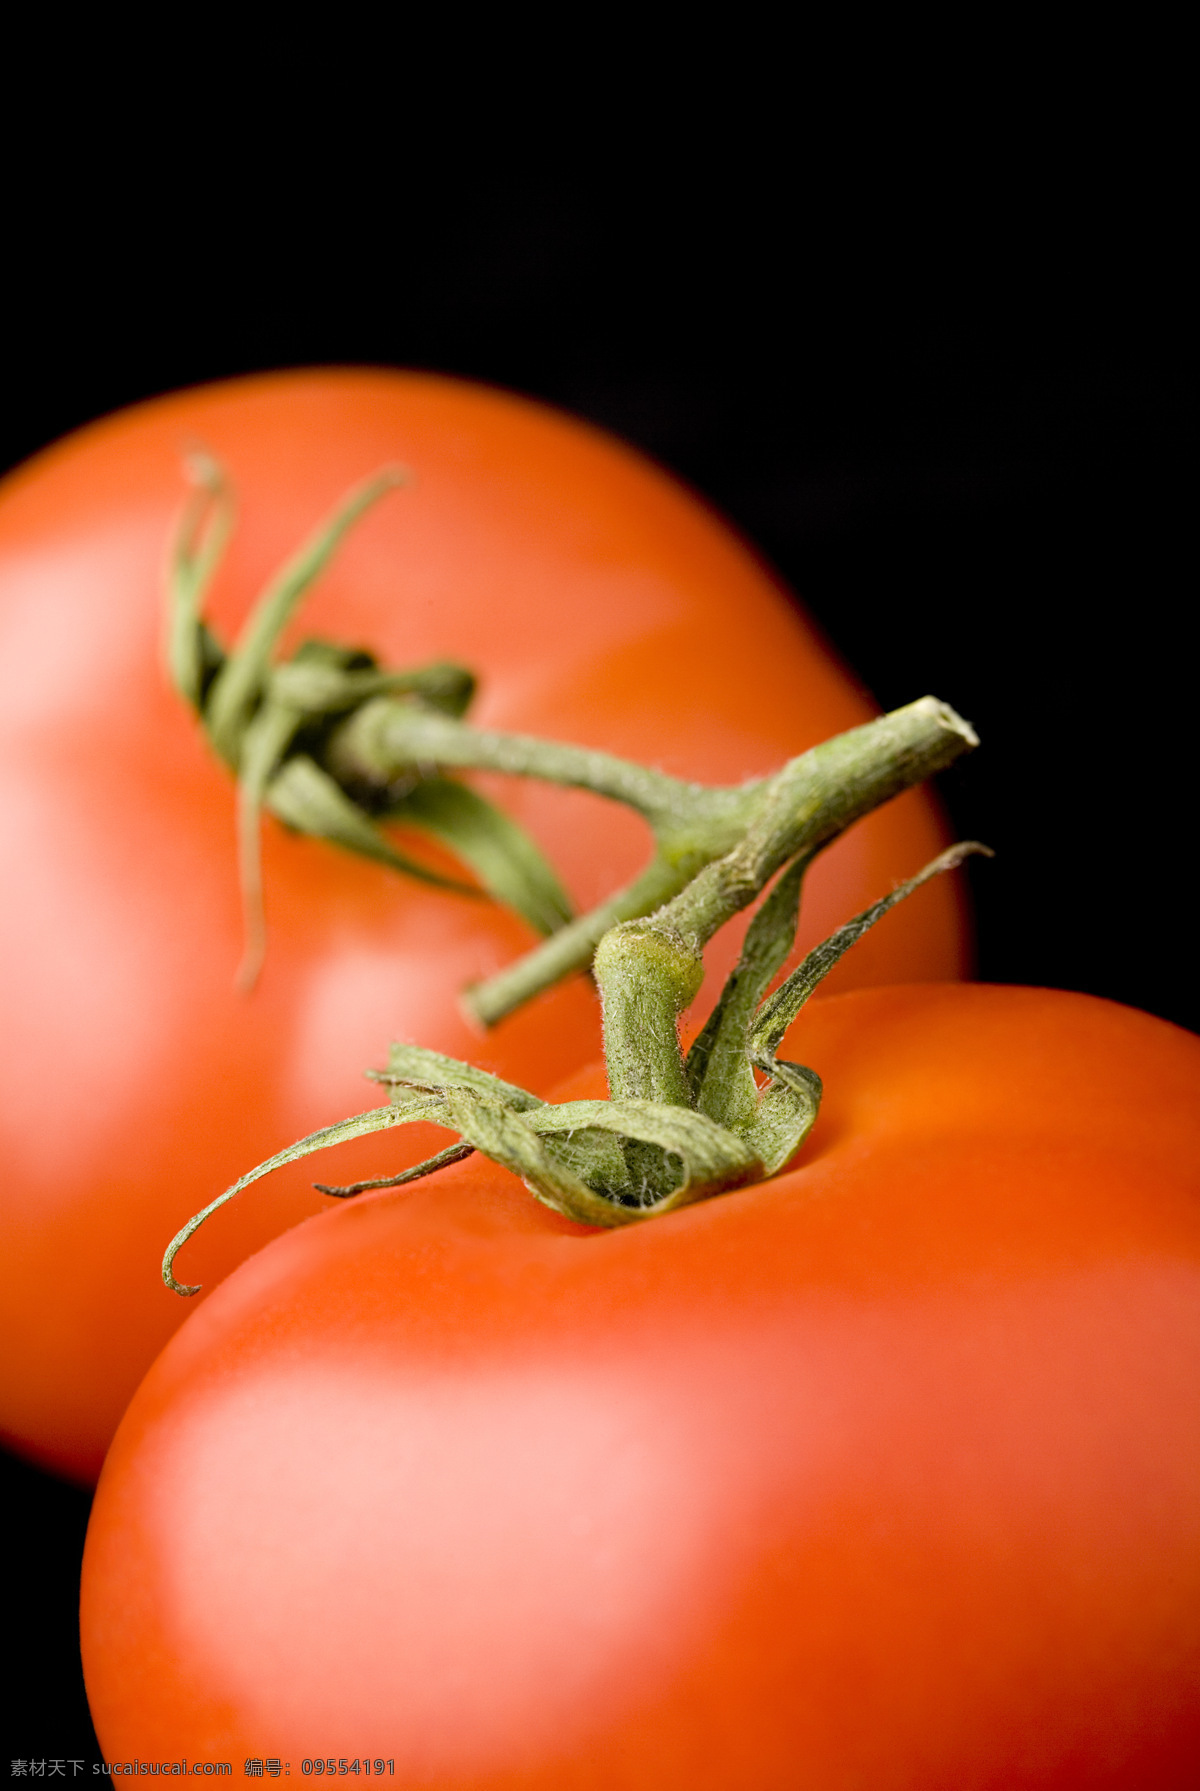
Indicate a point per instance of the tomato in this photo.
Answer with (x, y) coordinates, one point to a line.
(596, 600)
(885, 1472)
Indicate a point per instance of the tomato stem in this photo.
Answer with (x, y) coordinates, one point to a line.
(384, 741)
(694, 825)
(810, 801)
(710, 856)
(337, 747)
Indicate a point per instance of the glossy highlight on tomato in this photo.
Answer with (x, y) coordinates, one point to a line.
(885, 1472)
(596, 600)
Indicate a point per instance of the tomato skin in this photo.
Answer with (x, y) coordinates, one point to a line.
(885, 1472)
(596, 600)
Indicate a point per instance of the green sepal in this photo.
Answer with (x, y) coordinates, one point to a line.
(786, 1113)
(720, 1079)
(506, 860)
(307, 798)
(493, 1127)
(453, 1153)
(194, 655)
(544, 1147)
(787, 1108)
(266, 740)
(415, 1067)
(327, 688)
(780, 1009)
(711, 1157)
(238, 686)
(378, 1119)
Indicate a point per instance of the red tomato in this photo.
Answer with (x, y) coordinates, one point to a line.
(596, 600)
(884, 1473)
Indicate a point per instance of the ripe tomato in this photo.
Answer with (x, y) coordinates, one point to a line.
(596, 600)
(883, 1473)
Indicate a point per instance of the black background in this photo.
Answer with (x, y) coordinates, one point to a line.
(950, 398)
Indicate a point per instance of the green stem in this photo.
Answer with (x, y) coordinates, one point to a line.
(383, 740)
(813, 799)
(573, 946)
(720, 845)
(808, 803)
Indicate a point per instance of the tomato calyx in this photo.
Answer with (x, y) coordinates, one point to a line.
(675, 1129)
(271, 722)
